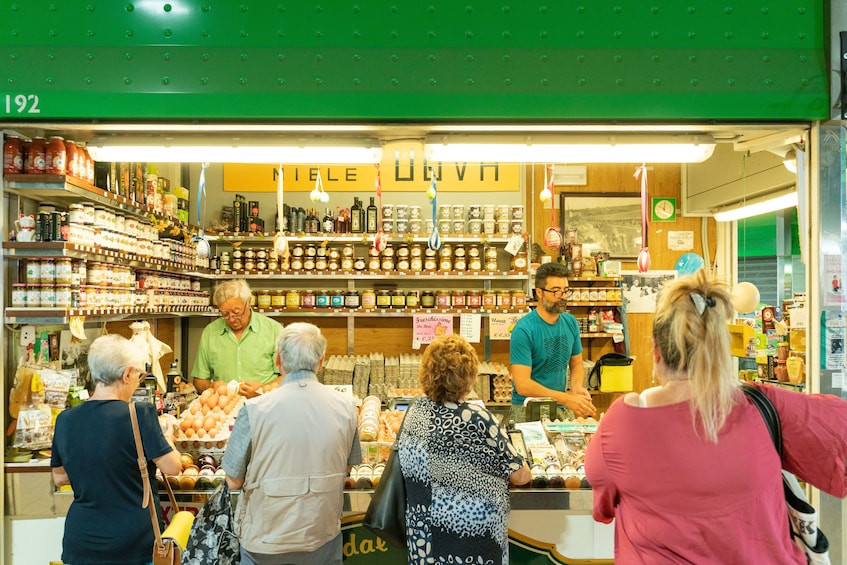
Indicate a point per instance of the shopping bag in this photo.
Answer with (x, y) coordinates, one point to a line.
(212, 540)
(386, 514)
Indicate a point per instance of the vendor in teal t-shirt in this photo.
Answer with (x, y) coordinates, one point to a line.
(545, 348)
(239, 346)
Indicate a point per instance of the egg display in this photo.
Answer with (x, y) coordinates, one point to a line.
(208, 420)
(198, 473)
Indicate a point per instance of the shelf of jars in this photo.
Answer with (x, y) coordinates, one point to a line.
(64, 249)
(372, 275)
(358, 238)
(48, 315)
(66, 190)
(362, 312)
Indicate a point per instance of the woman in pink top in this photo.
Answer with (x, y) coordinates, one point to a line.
(687, 469)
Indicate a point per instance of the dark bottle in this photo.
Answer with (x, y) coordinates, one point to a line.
(370, 224)
(299, 221)
(356, 217)
(311, 221)
(174, 378)
(328, 224)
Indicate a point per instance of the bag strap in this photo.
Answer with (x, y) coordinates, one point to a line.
(145, 478)
(768, 412)
(395, 445)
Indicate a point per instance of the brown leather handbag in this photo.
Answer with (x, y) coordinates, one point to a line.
(166, 551)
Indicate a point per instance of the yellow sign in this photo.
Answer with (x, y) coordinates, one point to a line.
(403, 169)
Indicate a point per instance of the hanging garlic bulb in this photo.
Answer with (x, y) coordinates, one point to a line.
(315, 195)
(546, 195)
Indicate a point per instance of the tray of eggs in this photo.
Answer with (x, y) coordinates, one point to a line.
(208, 420)
(200, 473)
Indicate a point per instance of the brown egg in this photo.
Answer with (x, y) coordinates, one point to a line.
(187, 482)
(191, 471)
(185, 460)
(572, 481)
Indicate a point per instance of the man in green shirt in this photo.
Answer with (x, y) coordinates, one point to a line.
(239, 346)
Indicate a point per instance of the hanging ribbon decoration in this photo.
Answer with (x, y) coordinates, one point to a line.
(380, 239)
(552, 235)
(280, 241)
(434, 241)
(643, 255)
(204, 250)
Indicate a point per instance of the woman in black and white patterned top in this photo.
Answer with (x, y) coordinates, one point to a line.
(457, 463)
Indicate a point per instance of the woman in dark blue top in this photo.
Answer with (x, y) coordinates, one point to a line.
(94, 452)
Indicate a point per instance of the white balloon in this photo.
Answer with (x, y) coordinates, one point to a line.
(745, 297)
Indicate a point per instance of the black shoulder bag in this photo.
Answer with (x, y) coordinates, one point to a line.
(386, 514)
(802, 516)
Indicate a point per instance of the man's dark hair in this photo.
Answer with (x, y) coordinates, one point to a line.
(549, 270)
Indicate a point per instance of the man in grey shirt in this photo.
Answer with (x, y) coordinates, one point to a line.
(289, 452)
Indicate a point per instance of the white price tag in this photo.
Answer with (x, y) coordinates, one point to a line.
(514, 245)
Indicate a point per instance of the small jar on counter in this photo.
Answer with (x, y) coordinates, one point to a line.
(368, 299)
(352, 299)
(458, 298)
(292, 299)
(398, 299)
(383, 299)
(427, 299)
(264, 299)
(307, 298)
(322, 299)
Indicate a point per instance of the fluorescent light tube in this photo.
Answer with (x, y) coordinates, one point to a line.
(317, 154)
(569, 149)
(758, 208)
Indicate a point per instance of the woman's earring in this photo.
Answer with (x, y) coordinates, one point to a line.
(655, 380)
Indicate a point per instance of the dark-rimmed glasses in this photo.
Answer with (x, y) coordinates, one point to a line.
(558, 292)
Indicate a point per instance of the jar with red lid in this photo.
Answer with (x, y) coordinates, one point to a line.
(36, 157)
(13, 158)
(71, 159)
(56, 156)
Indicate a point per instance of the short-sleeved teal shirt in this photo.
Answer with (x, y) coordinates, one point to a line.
(220, 356)
(547, 348)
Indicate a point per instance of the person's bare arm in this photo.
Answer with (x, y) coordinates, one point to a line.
(576, 402)
(233, 483)
(201, 384)
(60, 477)
(521, 476)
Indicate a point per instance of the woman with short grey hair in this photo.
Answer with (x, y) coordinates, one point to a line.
(94, 452)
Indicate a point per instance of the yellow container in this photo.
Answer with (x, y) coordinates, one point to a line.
(615, 378)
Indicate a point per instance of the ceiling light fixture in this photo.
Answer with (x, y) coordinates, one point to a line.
(758, 207)
(540, 148)
(266, 151)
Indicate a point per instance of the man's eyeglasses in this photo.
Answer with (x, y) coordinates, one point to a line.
(558, 292)
(233, 314)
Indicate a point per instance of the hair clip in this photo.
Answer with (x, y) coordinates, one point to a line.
(701, 302)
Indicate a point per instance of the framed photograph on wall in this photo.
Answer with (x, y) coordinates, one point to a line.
(641, 289)
(604, 221)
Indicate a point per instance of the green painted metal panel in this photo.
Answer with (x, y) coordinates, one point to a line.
(420, 61)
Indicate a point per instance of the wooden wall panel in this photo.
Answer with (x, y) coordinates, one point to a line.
(662, 180)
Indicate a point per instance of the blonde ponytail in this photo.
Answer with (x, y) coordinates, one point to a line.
(690, 329)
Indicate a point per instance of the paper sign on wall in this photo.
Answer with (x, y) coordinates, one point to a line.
(501, 325)
(427, 328)
(469, 327)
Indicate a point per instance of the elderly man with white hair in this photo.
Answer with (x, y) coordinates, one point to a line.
(289, 453)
